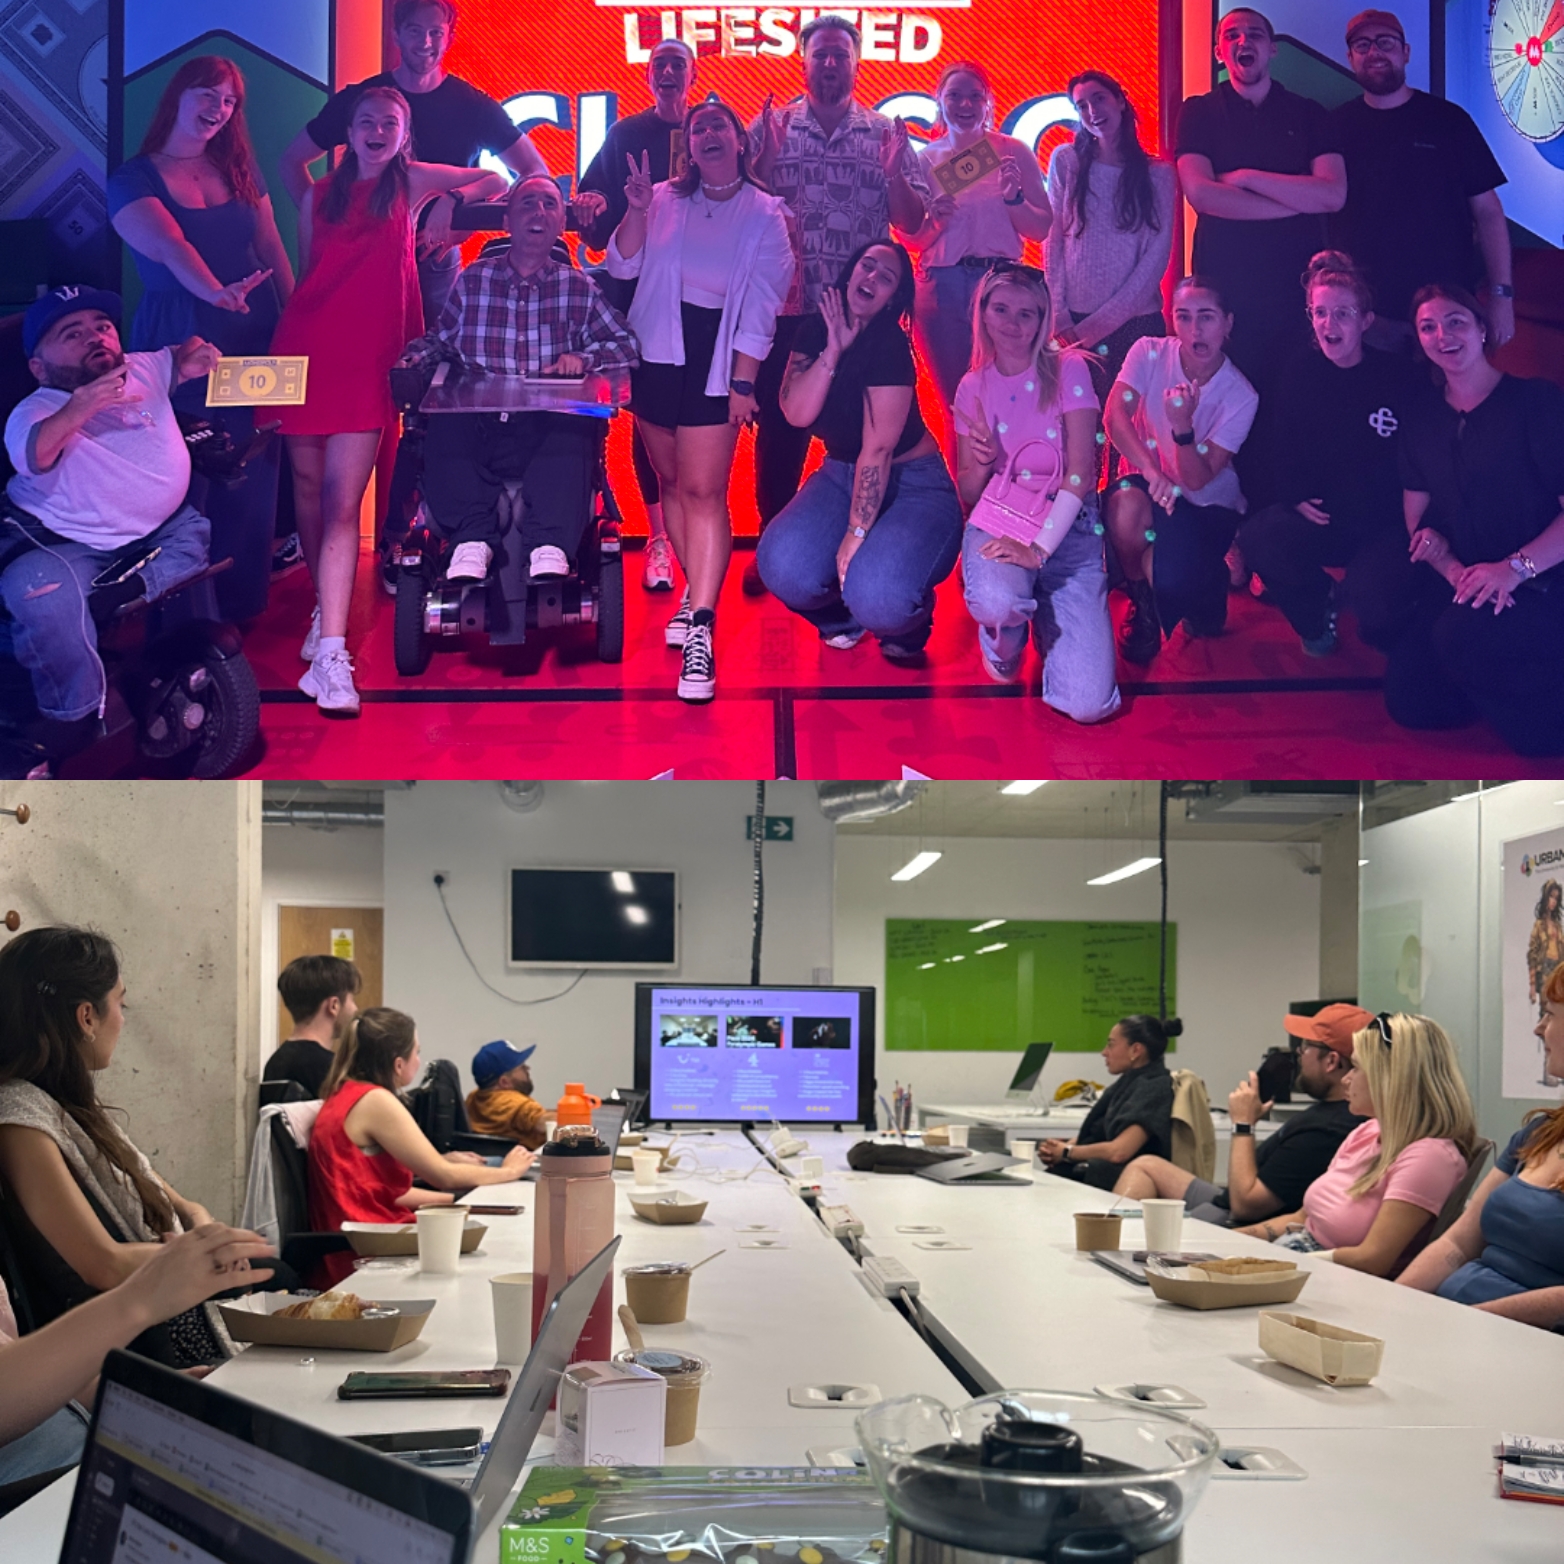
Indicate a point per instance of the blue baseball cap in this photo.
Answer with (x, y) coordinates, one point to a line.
(494, 1059)
(60, 302)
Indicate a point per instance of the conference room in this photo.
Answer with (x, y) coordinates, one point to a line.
(803, 1050)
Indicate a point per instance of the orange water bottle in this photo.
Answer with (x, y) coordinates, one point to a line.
(576, 1106)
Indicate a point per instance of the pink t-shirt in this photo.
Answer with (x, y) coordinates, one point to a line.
(1423, 1175)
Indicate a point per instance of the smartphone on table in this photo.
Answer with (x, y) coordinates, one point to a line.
(428, 1446)
(422, 1386)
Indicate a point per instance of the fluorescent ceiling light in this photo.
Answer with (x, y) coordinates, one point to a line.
(1140, 866)
(1021, 789)
(622, 882)
(637, 914)
(914, 867)
(980, 928)
(955, 958)
(984, 950)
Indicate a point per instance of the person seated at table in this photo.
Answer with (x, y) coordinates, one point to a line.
(366, 1148)
(1505, 1253)
(1271, 1175)
(101, 474)
(49, 1372)
(521, 313)
(1135, 1113)
(503, 1103)
(862, 546)
(319, 993)
(1394, 1173)
(84, 1208)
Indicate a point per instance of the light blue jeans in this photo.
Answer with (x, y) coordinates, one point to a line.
(55, 1442)
(1065, 603)
(942, 318)
(890, 584)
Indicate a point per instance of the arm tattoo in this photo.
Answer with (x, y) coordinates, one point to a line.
(867, 493)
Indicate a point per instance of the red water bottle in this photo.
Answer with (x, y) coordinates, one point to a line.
(573, 1218)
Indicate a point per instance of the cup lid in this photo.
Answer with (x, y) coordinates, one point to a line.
(658, 1268)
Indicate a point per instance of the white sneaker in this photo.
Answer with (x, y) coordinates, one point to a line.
(548, 562)
(845, 642)
(657, 573)
(329, 679)
(469, 562)
(698, 676)
(312, 641)
(678, 627)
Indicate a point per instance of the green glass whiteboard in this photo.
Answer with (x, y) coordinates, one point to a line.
(951, 985)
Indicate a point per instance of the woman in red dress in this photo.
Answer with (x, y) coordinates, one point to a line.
(356, 308)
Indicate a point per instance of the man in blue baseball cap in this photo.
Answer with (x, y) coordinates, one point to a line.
(97, 507)
(503, 1103)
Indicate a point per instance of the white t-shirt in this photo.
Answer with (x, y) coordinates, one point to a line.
(1223, 414)
(712, 232)
(120, 476)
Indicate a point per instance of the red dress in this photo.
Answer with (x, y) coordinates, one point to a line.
(356, 308)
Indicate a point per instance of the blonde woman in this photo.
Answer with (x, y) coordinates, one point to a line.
(1392, 1176)
(1026, 430)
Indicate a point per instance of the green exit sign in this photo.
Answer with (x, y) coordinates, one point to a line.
(779, 828)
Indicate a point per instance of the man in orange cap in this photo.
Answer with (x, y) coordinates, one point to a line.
(1273, 1175)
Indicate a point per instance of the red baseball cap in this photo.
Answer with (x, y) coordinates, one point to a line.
(1376, 21)
(1331, 1027)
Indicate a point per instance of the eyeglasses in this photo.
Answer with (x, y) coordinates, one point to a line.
(1386, 43)
(1338, 315)
(1381, 1024)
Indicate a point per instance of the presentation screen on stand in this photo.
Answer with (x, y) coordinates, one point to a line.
(714, 1054)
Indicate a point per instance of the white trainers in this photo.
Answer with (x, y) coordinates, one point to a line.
(548, 562)
(469, 562)
(657, 573)
(845, 642)
(329, 679)
(311, 645)
(678, 627)
(698, 676)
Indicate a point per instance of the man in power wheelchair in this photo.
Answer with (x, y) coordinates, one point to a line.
(521, 330)
(95, 519)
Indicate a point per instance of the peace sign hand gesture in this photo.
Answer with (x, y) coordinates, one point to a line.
(981, 445)
(638, 187)
(235, 295)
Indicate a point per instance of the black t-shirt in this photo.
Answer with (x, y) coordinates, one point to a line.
(663, 144)
(1495, 474)
(881, 355)
(1411, 174)
(452, 124)
(300, 1059)
(1291, 1159)
(1143, 1097)
(1283, 134)
(1332, 435)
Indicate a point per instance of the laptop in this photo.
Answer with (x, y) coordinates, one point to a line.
(635, 1105)
(176, 1469)
(609, 1121)
(982, 1167)
(1023, 1084)
(552, 1351)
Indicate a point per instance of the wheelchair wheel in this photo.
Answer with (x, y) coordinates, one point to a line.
(411, 648)
(233, 717)
(611, 609)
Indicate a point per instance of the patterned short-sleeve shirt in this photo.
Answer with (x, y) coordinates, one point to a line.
(836, 189)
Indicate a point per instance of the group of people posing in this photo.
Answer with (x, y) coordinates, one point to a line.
(1324, 399)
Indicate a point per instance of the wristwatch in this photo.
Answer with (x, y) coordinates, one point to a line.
(1243, 1129)
(859, 532)
(1522, 565)
(742, 387)
(1018, 199)
(1187, 438)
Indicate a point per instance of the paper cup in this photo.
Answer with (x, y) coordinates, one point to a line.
(1026, 1150)
(1164, 1225)
(512, 1296)
(958, 1133)
(646, 1165)
(658, 1294)
(685, 1375)
(440, 1238)
(1097, 1229)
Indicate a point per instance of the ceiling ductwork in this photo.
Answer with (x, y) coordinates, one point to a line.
(847, 802)
(1265, 803)
(322, 814)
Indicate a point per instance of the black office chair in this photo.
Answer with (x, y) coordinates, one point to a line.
(437, 1105)
(297, 1246)
(274, 1092)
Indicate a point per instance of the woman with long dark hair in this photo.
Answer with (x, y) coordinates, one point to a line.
(193, 209)
(1112, 231)
(713, 254)
(357, 307)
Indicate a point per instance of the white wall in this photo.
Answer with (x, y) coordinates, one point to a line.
(305, 867)
(464, 830)
(1248, 939)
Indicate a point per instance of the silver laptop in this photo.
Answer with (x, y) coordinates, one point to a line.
(609, 1122)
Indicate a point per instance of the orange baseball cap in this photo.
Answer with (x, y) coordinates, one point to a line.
(1331, 1027)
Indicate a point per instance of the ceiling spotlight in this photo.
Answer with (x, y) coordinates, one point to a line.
(982, 928)
(1021, 789)
(915, 866)
(984, 950)
(1140, 866)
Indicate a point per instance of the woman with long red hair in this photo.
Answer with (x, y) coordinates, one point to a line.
(193, 209)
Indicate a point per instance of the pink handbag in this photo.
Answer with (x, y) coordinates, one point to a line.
(1016, 501)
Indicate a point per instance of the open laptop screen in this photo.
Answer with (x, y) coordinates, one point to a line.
(176, 1472)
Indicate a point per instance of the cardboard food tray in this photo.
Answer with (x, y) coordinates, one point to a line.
(1199, 1288)
(1328, 1352)
(384, 1239)
(253, 1319)
(668, 1210)
(623, 1164)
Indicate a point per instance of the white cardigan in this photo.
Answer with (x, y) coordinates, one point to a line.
(762, 274)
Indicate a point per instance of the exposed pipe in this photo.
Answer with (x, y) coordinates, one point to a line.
(322, 816)
(849, 801)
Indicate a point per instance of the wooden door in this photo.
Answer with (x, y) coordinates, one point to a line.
(356, 933)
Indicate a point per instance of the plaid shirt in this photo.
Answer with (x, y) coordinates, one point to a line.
(510, 325)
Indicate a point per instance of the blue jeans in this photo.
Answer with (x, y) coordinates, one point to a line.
(890, 584)
(55, 1442)
(942, 315)
(1066, 605)
(44, 590)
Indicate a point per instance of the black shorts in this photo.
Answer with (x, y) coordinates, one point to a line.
(673, 396)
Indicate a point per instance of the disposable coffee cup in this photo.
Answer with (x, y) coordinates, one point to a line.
(658, 1294)
(685, 1375)
(440, 1238)
(646, 1165)
(1026, 1150)
(512, 1296)
(958, 1133)
(1097, 1229)
(1164, 1225)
